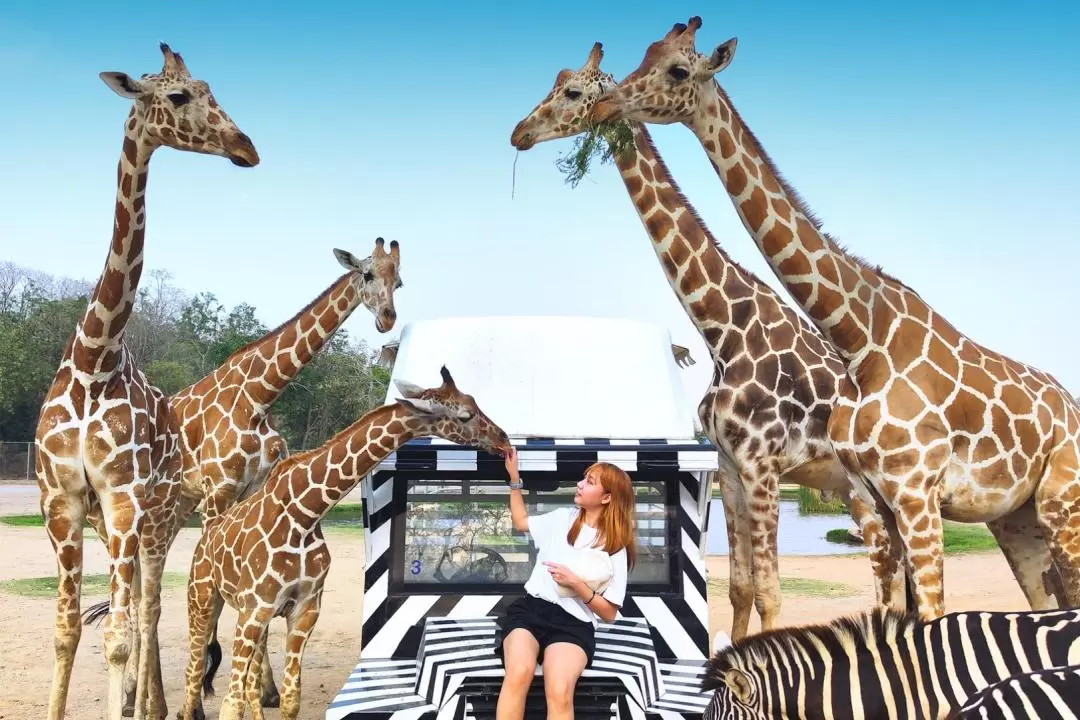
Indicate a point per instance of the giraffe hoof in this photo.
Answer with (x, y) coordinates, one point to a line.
(271, 699)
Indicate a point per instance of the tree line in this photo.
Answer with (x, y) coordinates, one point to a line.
(176, 339)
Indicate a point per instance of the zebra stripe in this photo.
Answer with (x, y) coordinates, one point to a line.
(1052, 694)
(885, 665)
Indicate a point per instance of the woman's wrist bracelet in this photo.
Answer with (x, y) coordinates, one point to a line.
(516, 485)
(591, 597)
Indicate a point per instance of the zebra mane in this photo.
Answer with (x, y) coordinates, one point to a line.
(875, 627)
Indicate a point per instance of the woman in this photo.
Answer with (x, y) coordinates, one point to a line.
(558, 628)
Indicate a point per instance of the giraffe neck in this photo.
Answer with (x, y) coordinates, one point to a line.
(98, 346)
(308, 485)
(839, 292)
(707, 282)
(278, 357)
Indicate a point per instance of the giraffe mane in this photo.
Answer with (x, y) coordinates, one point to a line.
(876, 627)
(296, 316)
(797, 200)
(748, 275)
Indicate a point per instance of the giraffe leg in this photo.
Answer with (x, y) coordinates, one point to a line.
(204, 606)
(271, 698)
(918, 520)
(250, 629)
(740, 560)
(131, 677)
(1024, 545)
(64, 514)
(150, 700)
(761, 488)
(1057, 501)
(253, 681)
(123, 522)
(884, 547)
(300, 622)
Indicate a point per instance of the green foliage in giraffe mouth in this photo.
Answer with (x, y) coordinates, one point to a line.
(605, 142)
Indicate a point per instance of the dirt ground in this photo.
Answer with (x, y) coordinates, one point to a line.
(980, 581)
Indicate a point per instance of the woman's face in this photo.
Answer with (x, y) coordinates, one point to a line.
(590, 493)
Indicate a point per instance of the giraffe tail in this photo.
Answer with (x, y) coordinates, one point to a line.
(213, 660)
(95, 613)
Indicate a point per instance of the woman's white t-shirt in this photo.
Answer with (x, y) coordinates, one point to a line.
(548, 533)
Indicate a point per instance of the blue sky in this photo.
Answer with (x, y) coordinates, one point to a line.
(939, 142)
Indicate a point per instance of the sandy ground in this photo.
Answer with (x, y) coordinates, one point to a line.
(980, 581)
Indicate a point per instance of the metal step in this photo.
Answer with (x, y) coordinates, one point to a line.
(594, 698)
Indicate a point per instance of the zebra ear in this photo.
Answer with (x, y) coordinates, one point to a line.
(739, 684)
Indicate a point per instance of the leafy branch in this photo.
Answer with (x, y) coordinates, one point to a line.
(605, 142)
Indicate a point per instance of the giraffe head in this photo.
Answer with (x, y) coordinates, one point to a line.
(448, 413)
(670, 83)
(176, 110)
(376, 277)
(563, 112)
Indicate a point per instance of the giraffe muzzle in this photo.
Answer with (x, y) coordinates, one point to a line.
(521, 138)
(241, 151)
(605, 110)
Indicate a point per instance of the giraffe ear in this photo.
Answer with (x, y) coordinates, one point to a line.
(722, 56)
(123, 84)
(427, 407)
(409, 390)
(348, 260)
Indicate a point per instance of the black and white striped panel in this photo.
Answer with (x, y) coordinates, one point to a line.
(1050, 694)
(453, 650)
(379, 687)
(551, 454)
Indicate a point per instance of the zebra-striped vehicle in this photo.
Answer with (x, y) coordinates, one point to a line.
(1052, 694)
(884, 664)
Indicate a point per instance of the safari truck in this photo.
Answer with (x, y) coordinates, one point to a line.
(443, 560)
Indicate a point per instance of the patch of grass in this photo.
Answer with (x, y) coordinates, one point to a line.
(91, 585)
(959, 538)
(604, 142)
(22, 520)
(799, 587)
(964, 537)
(842, 536)
(786, 493)
(812, 503)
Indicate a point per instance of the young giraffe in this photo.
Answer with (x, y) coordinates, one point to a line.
(106, 444)
(774, 378)
(933, 423)
(228, 442)
(266, 555)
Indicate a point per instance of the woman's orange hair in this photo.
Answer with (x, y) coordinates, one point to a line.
(616, 517)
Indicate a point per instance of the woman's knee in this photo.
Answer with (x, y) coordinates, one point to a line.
(559, 692)
(520, 674)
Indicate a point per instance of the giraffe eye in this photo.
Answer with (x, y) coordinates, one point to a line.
(678, 73)
(368, 276)
(572, 94)
(178, 99)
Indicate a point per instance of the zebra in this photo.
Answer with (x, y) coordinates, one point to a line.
(884, 664)
(1051, 694)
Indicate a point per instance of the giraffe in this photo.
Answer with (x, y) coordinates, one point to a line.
(228, 442)
(774, 377)
(106, 444)
(932, 424)
(266, 555)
